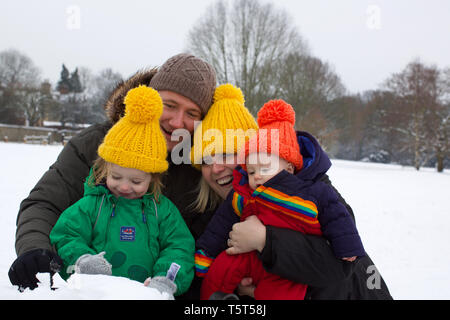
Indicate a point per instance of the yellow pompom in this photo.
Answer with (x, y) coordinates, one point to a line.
(143, 104)
(228, 91)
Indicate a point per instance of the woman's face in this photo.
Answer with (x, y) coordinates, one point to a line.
(218, 172)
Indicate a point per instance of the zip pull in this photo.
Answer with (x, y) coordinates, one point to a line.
(113, 210)
(144, 218)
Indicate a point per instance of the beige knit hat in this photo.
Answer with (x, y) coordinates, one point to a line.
(189, 76)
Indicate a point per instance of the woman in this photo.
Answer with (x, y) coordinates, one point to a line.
(308, 259)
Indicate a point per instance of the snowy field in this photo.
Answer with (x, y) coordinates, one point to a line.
(403, 217)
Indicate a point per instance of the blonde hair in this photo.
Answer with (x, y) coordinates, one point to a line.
(206, 199)
(101, 169)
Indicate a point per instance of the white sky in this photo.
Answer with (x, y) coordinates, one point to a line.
(365, 41)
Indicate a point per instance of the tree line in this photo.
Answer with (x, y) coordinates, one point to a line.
(27, 99)
(256, 46)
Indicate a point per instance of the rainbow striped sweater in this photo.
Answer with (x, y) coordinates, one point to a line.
(285, 201)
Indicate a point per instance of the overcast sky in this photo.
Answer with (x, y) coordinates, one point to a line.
(365, 41)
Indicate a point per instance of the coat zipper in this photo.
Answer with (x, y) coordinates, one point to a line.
(144, 220)
(144, 217)
(109, 220)
(113, 210)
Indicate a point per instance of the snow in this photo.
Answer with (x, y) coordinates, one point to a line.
(84, 287)
(402, 216)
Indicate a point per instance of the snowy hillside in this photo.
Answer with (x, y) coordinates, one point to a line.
(403, 217)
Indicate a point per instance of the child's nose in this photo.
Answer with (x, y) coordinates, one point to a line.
(124, 187)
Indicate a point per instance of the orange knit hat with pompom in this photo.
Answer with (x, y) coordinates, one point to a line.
(276, 134)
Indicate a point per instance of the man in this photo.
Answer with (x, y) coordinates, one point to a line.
(186, 85)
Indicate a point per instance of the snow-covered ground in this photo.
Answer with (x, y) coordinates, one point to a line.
(403, 217)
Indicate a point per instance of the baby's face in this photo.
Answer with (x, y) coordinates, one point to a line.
(261, 167)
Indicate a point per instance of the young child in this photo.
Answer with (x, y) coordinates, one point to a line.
(282, 190)
(123, 225)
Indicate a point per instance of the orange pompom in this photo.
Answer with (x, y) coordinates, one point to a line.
(275, 111)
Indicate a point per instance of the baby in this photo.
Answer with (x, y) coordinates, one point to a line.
(274, 184)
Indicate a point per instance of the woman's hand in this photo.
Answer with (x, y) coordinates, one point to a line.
(247, 236)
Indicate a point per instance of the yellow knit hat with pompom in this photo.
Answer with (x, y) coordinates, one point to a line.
(136, 140)
(225, 128)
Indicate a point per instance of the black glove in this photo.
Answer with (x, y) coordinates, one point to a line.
(24, 269)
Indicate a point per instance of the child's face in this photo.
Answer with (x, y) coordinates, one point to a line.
(261, 167)
(127, 182)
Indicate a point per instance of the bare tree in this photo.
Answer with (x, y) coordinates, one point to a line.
(423, 112)
(18, 77)
(308, 83)
(35, 103)
(383, 141)
(103, 84)
(17, 70)
(246, 43)
(439, 121)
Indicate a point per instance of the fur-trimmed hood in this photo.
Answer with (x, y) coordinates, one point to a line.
(114, 107)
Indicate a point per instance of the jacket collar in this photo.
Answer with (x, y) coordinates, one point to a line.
(315, 160)
(114, 106)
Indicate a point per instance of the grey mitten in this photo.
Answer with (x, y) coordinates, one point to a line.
(93, 264)
(163, 284)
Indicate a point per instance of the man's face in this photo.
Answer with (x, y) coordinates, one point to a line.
(179, 113)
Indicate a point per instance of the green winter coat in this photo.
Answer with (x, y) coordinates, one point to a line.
(141, 237)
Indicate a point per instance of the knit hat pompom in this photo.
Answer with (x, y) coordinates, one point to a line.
(228, 124)
(275, 111)
(276, 116)
(228, 91)
(143, 104)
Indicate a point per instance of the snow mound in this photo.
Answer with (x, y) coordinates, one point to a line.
(87, 287)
